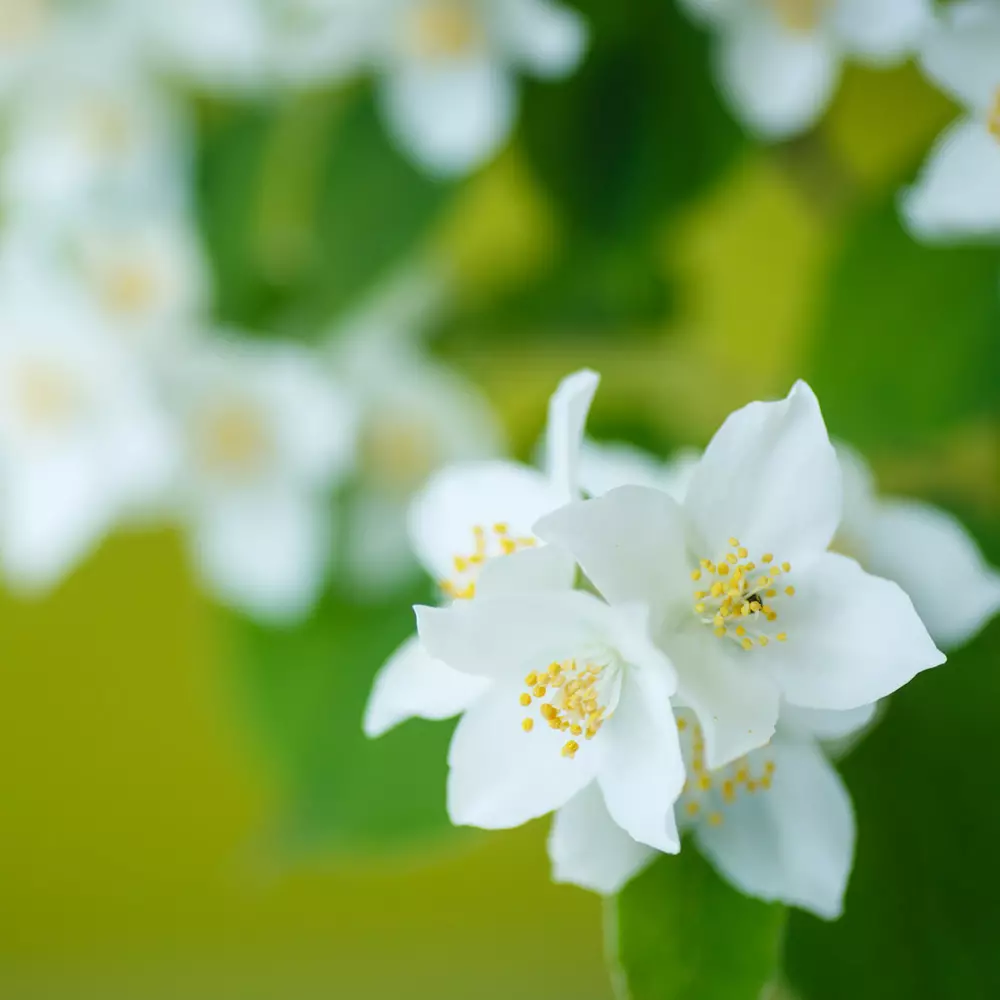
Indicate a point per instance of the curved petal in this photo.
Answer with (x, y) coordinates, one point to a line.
(779, 82)
(546, 568)
(960, 54)
(770, 477)
(630, 543)
(793, 842)
(852, 638)
(957, 194)
(449, 116)
(825, 724)
(605, 466)
(548, 38)
(265, 552)
(588, 848)
(936, 561)
(500, 776)
(459, 498)
(568, 409)
(412, 684)
(736, 705)
(640, 768)
(505, 638)
(882, 32)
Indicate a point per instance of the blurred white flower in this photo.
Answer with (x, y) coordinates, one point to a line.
(447, 67)
(416, 415)
(605, 466)
(267, 437)
(82, 442)
(958, 192)
(779, 60)
(466, 516)
(749, 603)
(26, 27)
(901, 538)
(578, 696)
(777, 823)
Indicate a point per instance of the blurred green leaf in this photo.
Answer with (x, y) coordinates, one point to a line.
(907, 336)
(681, 933)
(306, 690)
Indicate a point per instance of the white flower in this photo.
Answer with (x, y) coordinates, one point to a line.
(446, 67)
(924, 549)
(267, 437)
(416, 415)
(777, 823)
(578, 695)
(25, 28)
(82, 441)
(958, 192)
(603, 467)
(748, 603)
(466, 516)
(779, 60)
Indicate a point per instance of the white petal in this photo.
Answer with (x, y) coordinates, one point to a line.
(779, 82)
(936, 561)
(547, 567)
(603, 467)
(505, 638)
(958, 192)
(264, 552)
(450, 117)
(501, 776)
(852, 638)
(859, 497)
(640, 771)
(960, 55)
(771, 478)
(413, 684)
(630, 543)
(884, 31)
(568, 409)
(588, 848)
(736, 705)
(794, 842)
(57, 505)
(825, 724)
(546, 37)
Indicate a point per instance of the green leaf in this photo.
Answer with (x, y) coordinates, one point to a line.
(305, 690)
(681, 933)
(906, 344)
(923, 904)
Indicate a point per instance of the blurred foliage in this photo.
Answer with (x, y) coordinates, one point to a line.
(680, 933)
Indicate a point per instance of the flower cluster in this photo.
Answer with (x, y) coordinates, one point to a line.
(650, 651)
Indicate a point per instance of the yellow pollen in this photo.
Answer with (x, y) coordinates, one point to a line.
(731, 558)
(728, 791)
(531, 680)
(682, 724)
(769, 767)
(700, 608)
(525, 700)
(570, 749)
(721, 633)
(539, 691)
(723, 569)
(705, 782)
(528, 725)
(762, 640)
(501, 529)
(767, 557)
(747, 644)
(765, 782)
(790, 591)
(715, 819)
(696, 574)
(717, 589)
(751, 787)
(787, 567)
(740, 630)
(734, 542)
(548, 712)
(693, 808)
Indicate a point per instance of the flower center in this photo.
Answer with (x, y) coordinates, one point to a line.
(573, 698)
(108, 128)
(442, 29)
(234, 439)
(707, 794)
(398, 450)
(798, 15)
(741, 600)
(993, 118)
(487, 543)
(129, 289)
(21, 20)
(46, 394)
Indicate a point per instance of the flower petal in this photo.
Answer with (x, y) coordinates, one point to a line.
(443, 515)
(852, 638)
(736, 705)
(547, 38)
(640, 769)
(506, 638)
(882, 32)
(770, 477)
(936, 561)
(588, 848)
(412, 684)
(546, 568)
(960, 54)
(794, 842)
(825, 724)
(568, 409)
(501, 776)
(450, 116)
(603, 467)
(778, 81)
(956, 194)
(630, 543)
